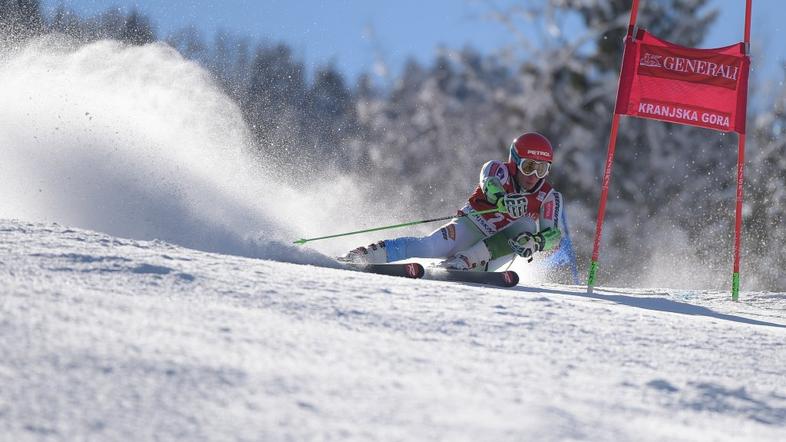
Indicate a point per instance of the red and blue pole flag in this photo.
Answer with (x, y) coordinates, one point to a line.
(664, 81)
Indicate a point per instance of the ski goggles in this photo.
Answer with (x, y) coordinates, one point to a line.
(539, 168)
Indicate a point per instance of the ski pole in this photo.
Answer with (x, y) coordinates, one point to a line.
(481, 212)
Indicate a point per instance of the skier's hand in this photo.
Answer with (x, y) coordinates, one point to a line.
(515, 204)
(551, 238)
(492, 188)
(526, 244)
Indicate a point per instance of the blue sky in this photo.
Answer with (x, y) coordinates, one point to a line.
(337, 31)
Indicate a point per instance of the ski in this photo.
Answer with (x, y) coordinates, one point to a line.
(499, 279)
(407, 270)
(414, 270)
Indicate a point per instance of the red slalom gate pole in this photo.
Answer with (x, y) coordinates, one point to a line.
(735, 276)
(604, 193)
(634, 11)
(747, 36)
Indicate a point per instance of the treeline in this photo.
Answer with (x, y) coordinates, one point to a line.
(267, 80)
(425, 134)
(22, 19)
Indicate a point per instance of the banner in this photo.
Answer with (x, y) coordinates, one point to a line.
(698, 87)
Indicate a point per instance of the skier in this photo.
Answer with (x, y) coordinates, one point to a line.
(527, 221)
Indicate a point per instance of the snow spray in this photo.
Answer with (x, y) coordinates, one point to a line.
(134, 141)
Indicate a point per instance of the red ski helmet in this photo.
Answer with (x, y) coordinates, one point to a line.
(533, 146)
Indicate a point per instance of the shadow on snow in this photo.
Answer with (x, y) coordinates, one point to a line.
(653, 303)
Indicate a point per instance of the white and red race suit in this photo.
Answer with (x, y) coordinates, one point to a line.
(543, 211)
(543, 203)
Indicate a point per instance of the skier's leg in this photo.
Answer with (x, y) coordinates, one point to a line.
(458, 234)
(478, 256)
(498, 244)
(473, 255)
(371, 254)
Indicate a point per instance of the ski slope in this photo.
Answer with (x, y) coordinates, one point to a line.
(106, 338)
(191, 317)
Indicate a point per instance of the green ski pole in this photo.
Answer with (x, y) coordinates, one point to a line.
(413, 223)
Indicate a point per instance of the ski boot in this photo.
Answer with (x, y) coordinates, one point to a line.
(475, 258)
(371, 254)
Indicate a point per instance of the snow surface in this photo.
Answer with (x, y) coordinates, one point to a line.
(106, 338)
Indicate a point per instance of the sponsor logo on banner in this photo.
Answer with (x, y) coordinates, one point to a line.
(694, 66)
(651, 60)
(685, 114)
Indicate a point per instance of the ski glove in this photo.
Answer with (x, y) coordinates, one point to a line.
(514, 204)
(526, 244)
(492, 188)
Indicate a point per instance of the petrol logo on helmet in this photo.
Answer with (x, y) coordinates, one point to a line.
(537, 152)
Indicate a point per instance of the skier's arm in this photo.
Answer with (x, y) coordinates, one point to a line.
(549, 235)
(550, 214)
(493, 176)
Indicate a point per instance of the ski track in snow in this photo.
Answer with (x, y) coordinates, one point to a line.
(107, 338)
